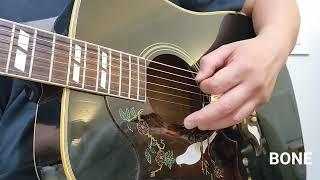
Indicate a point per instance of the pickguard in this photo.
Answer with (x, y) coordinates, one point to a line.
(159, 145)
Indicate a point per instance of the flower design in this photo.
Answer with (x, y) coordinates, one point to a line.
(218, 173)
(160, 157)
(143, 127)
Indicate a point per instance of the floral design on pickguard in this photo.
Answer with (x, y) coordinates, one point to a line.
(216, 171)
(155, 151)
(129, 115)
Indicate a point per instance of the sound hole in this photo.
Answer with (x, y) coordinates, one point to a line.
(171, 89)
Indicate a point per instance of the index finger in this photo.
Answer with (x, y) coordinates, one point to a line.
(212, 61)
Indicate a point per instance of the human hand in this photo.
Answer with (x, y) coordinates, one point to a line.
(244, 73)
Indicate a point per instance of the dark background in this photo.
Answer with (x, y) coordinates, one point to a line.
(31, 10)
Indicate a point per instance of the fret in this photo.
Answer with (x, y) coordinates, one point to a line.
(5, 36)
(125, 73)
(10, 47)
(138, 79)
(120, 74)
(115, 73)
(85, 65)
(104, 70)
(52, 56)
(69, 61)
(142, 79)
(145, 79)
(91, 67)
(129, 86)
(42, 57)
(110, 72)
(60, 60)
(21, 51)
(134, 78)
(33, 51)
(98, 69)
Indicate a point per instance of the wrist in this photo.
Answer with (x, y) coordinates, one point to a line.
(279, 38)
(277, 44)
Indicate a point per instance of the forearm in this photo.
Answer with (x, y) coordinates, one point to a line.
(275, 20)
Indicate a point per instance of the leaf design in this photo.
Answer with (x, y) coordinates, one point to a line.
(148, 155)
(169, 159)
(122, 115)
(152, 150)
(132, 113)
(127, 114)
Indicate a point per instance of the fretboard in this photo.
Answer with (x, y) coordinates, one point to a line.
(41, 56)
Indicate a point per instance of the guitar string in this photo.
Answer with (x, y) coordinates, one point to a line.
(175, 102)
(94, 78)
(170, 101)
(177, 89)
(143, 66)
(73, 48)
(100, 63)
(116, 92)
(48, 68)
(189, 92)
(160, 92)
(45, 67)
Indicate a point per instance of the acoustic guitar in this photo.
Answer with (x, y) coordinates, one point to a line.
(125, 76)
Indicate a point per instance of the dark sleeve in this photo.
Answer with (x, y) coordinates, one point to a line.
(5, 91)
(30, 10)
(211, 5)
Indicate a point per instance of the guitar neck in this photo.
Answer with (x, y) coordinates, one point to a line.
(41, 56)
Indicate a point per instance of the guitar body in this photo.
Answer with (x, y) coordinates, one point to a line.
(99, 138)
(142, 137)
